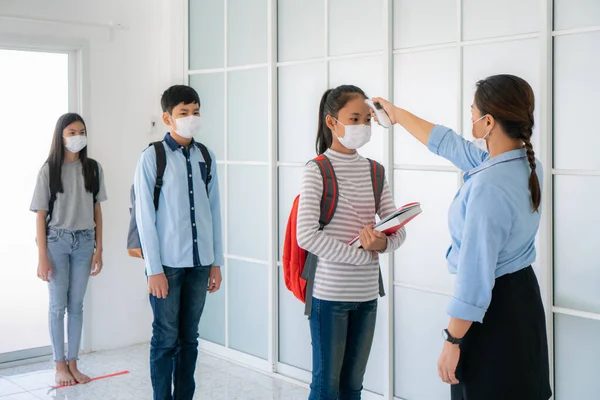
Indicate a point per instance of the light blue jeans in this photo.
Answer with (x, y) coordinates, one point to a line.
(70, 254)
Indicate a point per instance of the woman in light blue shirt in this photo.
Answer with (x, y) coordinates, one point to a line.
(495, 345)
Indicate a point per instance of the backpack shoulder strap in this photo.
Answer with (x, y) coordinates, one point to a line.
(330, 196)
(161, 165)
(377, 179)
(50, 206)
(52, 199)
(97, 180)
(208, 161)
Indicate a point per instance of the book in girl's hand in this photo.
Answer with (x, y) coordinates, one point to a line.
(393, 222)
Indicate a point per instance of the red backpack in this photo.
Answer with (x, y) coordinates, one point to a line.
(298, 265)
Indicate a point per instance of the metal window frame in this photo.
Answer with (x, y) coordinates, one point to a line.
(545, 37)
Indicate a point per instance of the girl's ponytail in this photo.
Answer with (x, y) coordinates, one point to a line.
(324, 138)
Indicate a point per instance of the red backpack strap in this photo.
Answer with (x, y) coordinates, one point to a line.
(330, 197)
(377, 179)
(329, 201)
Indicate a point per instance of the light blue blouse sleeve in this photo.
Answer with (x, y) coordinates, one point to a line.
(448, 144)
(488, 222)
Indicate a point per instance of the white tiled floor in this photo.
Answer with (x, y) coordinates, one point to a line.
(216, 379)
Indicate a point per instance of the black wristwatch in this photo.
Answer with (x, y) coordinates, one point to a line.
(449, 338)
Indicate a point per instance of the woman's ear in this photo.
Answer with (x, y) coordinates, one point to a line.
(490, 122)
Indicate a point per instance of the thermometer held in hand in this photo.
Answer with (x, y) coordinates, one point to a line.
(382, 117)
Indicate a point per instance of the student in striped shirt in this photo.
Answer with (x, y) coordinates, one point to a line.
(346, 285)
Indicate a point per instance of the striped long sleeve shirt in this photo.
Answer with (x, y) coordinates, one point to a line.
(343, 273)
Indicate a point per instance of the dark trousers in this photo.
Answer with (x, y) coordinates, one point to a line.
(342, 335)
(174, 345)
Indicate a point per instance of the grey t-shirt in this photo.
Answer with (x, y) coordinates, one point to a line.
(74, 208)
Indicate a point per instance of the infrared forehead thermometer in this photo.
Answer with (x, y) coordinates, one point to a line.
(382, 117)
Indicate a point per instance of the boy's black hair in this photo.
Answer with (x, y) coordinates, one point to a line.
(178, 94)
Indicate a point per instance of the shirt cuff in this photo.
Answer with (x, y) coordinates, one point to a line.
(366, 257)
(219, 261)
(388, 247)
(154, 270)
(461, 310)
(436, 137)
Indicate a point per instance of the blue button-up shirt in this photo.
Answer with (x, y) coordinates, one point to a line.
(491, 221)
(186, 230)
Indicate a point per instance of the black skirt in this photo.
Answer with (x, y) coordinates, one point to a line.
(506, 356)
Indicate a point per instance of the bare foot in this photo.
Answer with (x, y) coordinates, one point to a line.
(79, 377)
(63, 376)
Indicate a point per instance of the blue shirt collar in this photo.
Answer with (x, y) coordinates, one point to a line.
(173, 145)
(502, 158)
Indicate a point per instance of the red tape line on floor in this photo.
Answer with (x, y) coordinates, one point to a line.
(95, 379)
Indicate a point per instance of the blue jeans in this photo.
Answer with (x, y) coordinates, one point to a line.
(70, 254)
(174, 345)
(342, 335)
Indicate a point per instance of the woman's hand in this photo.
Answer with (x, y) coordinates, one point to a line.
(448, 362)
(389, 108)
(373, 240)
(97, 263)
(44, 271)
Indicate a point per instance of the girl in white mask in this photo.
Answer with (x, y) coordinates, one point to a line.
(346, 279)
(67, 197)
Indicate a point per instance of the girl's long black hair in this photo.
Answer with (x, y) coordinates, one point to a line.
(57, 156)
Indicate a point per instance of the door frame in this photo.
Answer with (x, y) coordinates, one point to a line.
(77, 51)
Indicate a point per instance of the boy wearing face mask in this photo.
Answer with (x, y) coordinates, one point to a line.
(347, 279)
(181, 242)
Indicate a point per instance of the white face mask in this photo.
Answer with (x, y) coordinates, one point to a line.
(481, 143)
(76, 143)
(188, 126)
(356, 136)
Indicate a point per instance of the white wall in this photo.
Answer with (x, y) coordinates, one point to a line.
(123, 80)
